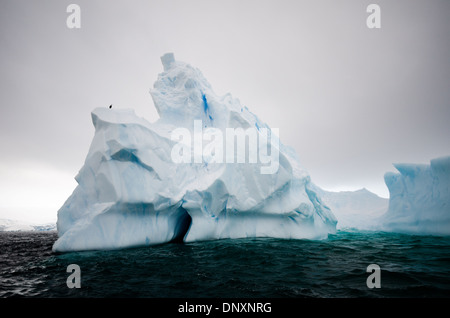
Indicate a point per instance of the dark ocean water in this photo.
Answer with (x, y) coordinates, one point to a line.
(411, 266)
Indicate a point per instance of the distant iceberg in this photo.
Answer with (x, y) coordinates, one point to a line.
(8, 225)
(419, 198)
(359, 209)
(141, 186)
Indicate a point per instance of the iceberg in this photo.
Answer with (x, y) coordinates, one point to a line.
(8, 225)
(419, 198)
(207, 169)
(360, 209)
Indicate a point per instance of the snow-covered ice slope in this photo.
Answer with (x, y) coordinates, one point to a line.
(140, 185)
(419, 198)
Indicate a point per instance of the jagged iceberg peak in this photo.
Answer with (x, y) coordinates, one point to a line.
(182, 94)
(140, 186)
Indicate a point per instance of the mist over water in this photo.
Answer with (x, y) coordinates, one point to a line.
(411, 266)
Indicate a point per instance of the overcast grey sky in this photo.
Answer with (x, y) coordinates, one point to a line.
(351, 100)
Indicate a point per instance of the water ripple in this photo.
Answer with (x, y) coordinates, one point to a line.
(411, 266)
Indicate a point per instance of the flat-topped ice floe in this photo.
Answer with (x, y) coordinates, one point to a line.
(419, 198)
(207, 169)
